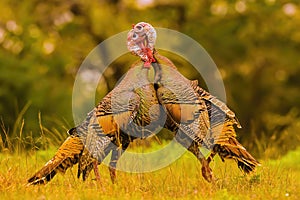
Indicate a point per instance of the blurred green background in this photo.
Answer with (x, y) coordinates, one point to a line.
(255, 44)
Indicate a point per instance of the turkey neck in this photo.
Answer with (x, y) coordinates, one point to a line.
(158, 73)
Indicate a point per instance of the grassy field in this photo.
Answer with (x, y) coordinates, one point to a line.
(275, 179)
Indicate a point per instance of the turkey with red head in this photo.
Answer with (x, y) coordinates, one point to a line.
(197, 117)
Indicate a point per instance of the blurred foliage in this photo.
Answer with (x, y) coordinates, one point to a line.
(255, 45)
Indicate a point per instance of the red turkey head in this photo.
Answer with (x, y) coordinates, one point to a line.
(140, 41)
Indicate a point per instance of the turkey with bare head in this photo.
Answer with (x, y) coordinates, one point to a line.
(198, 118)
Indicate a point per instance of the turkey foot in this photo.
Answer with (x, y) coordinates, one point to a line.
(96, 171)
(112, 173)
(206, 171)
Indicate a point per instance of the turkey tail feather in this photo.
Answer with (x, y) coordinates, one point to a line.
(244, 159)
(228, 147)
(66, 156)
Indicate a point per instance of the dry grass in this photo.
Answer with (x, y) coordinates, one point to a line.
(181, 180)
(275, 179)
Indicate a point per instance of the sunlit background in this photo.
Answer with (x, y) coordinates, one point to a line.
(255, 45)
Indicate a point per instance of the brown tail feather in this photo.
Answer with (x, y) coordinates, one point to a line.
(228, 147)
(244, 160)
(66, 156)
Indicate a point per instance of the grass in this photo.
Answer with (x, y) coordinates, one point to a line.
(275, 179)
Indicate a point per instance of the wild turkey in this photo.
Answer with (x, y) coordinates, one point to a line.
(120, 117)
(200, 118)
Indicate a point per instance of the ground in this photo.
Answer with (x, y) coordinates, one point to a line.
(275, 179)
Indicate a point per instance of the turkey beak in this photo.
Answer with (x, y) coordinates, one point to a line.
(143, 42)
